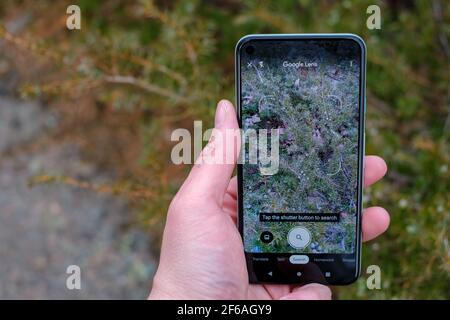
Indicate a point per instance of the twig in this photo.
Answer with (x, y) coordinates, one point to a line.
(129, 191)
(438, 17)
(151, 65)
(258, 73)
(148, 87)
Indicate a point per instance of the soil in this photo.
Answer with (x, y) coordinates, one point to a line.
(46, 228)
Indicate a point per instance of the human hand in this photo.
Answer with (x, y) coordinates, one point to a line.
(202, 255)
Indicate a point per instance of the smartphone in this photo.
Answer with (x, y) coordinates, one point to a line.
(301, 107)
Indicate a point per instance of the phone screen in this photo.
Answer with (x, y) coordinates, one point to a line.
(300, 201)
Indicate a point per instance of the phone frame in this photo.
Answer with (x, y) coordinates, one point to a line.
(361, 136)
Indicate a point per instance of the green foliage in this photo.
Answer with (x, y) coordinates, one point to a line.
(175, 60)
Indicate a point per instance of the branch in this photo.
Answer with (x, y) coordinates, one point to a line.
(145, 86)
(132, 192)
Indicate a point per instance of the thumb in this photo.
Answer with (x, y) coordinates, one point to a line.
(312, 291)
(211, 173)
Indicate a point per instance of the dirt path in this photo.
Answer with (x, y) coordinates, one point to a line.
(46, 228)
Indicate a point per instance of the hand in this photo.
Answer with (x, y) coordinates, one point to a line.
(202, 255)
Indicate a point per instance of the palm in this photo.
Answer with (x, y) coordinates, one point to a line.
(238, 271)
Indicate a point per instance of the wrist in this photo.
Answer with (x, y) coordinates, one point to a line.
(158, 295)
(161, 290)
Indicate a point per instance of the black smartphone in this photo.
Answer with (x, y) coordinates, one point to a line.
(301, 107)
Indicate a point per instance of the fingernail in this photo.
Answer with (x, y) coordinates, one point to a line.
(221, 113)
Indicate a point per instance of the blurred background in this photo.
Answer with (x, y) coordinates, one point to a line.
(86, 117)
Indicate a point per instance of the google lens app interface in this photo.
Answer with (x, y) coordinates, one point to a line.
(309, 92)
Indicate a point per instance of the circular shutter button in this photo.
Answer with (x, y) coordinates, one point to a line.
(299, 237)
